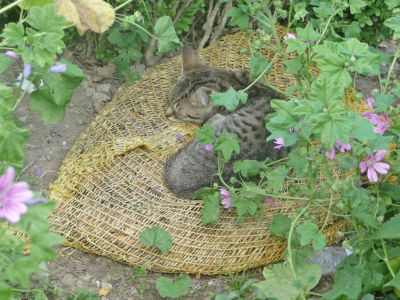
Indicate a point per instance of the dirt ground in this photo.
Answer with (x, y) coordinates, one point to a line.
(45, 151)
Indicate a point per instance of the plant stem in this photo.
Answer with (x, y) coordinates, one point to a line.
(325, 29)
(261, 75)
(396, 56)
(9, 6)
(140, 27)
(290, 254)
(147, 13)
(387, 259)
(122, 5)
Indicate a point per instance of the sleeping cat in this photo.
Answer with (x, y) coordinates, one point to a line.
(192, 167)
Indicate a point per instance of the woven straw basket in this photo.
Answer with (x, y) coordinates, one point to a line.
(110, 185)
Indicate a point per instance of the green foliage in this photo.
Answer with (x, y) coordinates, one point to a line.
(173, 288)
(309, 232)
(211, 209)
(156, 237)
(248, 168)
(229, 99)
(167, 39)
(227, 145)
(17, 268)
(280, 225)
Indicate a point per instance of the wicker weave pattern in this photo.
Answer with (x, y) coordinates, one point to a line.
(111, 187)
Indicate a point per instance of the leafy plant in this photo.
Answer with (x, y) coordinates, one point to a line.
(173, 288)
(156, 237)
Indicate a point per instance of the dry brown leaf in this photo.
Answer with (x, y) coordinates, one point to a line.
(95, 15)
(105, 290)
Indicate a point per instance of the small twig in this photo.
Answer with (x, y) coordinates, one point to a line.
(209, 25)
(181, 10)
(221, 25)
(29, 166)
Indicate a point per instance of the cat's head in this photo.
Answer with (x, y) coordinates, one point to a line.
(190, 97)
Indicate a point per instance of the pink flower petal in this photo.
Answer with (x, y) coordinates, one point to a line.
(363, 166)
(381, 167)
(372, 176)
(19, 195)
(13, 212)
(379, 155)
(331, 154)
(7, 178)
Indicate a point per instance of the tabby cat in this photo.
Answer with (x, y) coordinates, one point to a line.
(192, 167)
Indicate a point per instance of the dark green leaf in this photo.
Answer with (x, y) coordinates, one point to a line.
(205, 134)
(156, 237)
(13, 34)
(309, 232)
(5, 62)
(394, 24)
(211, 209)
(26, 4)
(276, 178)
(293, 66)
(295, 45)
(258, 65)
(395, 282)
(239, 18)
(167, 37)
(280, 225)
(298, 161)
(389, 229)
(346, 285)
(245, 207)
(248, 168)
(383, 102)
(353, 30)
(308, 33)
(356, 5)
(173, 289)
(229, 99)
(45, 19)
(228, 145)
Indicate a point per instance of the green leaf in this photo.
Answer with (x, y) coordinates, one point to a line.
(82, 294)
(39, 295)
(51, 101)
(383, 102)
(229, 99)
(5, 291)
(5, 62)
(156, 237)
(353, 30)
(13, 34)
(333, 67)
(6, 100)
(227, 144)
(295, 45)
(294, 65)
(362, 129)
(392, 3)
(308, 33)
(239, 18)
(298, 162)
(394, 24)
(395, 282)
(258, 65)
(309, 232)
(356, 5)
(211, 209)
(12, 142)
(280, 284)
(29, 3)
(327, 90)
(389, 229)
(346, 285)
(280, 225)
(173, 289)
(45, 19)
(205, 134)
(167, 39)
(334, 130)
(248, 168)
(276, 178)
(245, 207)
(324, 9)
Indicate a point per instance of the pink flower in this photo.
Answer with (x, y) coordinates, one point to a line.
(58, 68)
(27, 70)
(370, 101)
(289, 36)
(373, 165)
(13, 196)
(12, 54)
(280, 143)
(339, 145)
(209, 148)
(226, 200)
(331, 154)
(381, 121)
(271, 202)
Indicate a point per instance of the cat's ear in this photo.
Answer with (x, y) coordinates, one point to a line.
(190, 60)
(202, 96)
